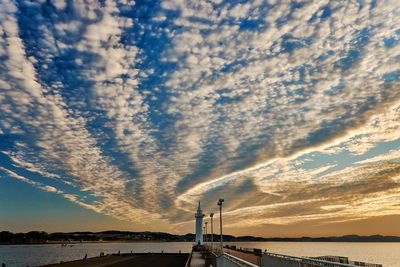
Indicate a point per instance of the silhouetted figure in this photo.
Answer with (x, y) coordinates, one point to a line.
(119, 252)
(85, 258)
(3, 265)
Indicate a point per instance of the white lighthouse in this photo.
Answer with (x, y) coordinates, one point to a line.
(199, 226)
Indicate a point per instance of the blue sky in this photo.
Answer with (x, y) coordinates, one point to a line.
(123, 115)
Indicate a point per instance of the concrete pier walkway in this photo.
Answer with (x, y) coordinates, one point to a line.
(130, 260)
(197, 260)
(249, 257)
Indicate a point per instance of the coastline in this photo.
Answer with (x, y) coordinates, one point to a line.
(167, 241)
(73, 238)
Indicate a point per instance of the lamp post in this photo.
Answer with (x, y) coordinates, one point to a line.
(206, 231)
(204, 234)
(212, 230)
(220, 201)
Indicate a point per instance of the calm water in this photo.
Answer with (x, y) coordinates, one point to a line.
(387, 254)
(36, 255)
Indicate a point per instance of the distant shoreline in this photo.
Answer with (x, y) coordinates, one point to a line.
(164, 241)
(36, 237)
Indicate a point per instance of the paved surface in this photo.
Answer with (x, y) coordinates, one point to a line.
(155, 261)
(139, 260)
(245, 256)
(93, 262)
(197, 260)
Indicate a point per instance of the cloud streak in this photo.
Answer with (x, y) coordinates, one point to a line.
(148, 109)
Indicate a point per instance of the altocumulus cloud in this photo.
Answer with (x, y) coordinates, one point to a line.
(149, 107)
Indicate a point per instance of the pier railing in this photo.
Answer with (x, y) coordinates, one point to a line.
(278, 260)
(227, 260)
(232, 257)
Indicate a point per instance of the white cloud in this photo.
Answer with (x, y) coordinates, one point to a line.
(59, 4)
(38, 185)
(243, 100)
(64, 142)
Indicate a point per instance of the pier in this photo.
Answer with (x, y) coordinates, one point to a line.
(218, 255)
(211, 256)
(196, 260)
(245, 257)
(130, 259)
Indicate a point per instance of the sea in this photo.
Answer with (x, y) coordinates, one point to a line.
(387, 254)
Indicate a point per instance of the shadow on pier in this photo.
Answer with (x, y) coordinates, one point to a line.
(128, 259)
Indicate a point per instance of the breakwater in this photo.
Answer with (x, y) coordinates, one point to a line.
(130, 259)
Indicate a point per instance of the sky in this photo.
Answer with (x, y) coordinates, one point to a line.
(123, 115)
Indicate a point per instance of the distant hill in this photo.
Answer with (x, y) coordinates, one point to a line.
(35, 237)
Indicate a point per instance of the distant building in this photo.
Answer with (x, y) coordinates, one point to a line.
(199, 226)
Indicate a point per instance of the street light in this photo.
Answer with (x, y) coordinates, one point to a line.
(220, 201)
(206, 231)
(212, 231)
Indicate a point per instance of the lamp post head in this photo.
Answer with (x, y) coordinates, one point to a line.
(211, 214)
(220, 201)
